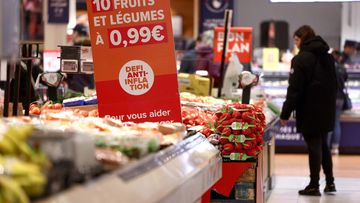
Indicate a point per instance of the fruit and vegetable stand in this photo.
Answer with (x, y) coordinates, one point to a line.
(247, 181)
(56, 158)
(181, 173)
(75, 146)
(245, 138)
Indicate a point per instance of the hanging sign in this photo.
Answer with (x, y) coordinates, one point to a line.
(58, 11)
(239, 42)
(212, 13)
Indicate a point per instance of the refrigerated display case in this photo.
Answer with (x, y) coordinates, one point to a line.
(275, 85)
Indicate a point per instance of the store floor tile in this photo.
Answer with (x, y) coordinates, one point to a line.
(286, 191)
(289, 182)
(298, 165)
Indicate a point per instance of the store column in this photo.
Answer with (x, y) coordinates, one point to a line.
(58, 16)
(350, 20)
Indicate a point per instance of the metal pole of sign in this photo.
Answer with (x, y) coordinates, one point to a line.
(37, 50)
(7, 91)
(227, 25)
(28, 86)
(246, 93)
(245, 99)
(16, 89)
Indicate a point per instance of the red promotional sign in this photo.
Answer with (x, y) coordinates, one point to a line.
(239, 42)
(134, 60)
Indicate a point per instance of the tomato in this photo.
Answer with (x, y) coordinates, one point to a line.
(236, 132)
(226, 132)
(58, 106)
(33, 105)
(225, 153)
(218, 114)
(35, 111)
(238, 147)
(84, 113)
(76, 111)
(251, 152)
(236, 114)
(224, 140)
(93, 113)
(229, 147)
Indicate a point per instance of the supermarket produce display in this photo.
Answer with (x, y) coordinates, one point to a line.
(70, 147)
(82, 150)
(59, 147)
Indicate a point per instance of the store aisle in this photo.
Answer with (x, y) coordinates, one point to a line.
(297, 165)
(291, 175)
(286, 191)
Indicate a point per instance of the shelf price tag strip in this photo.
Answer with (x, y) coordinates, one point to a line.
(161, 158)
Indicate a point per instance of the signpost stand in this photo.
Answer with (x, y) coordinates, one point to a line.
(246, 92)
(227, 25)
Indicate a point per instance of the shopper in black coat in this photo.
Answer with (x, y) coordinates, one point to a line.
(312, 95)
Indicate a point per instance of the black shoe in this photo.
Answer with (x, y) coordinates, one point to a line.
(330, 188)
(310, 190)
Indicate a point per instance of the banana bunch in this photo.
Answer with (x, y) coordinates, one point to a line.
(27, 175)
(21, 167)
(13, 143)
(11, 192)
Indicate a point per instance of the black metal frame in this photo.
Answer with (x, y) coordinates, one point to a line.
(26, 56)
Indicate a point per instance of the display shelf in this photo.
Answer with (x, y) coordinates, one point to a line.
(264, 180)
(354, 74)
(181, 173)
(277, 74)
(350, 116)
(84, 107)
(281, 75)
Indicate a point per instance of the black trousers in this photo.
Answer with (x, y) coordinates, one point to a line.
(319, 155)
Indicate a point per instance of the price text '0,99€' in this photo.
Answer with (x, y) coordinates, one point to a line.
(138, 35)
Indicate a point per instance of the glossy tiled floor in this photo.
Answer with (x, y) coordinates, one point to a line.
(292, 174)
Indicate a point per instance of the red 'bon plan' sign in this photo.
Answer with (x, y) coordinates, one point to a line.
(239, 42)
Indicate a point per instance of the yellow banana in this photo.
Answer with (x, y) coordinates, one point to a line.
(11, 191)
(6, 146)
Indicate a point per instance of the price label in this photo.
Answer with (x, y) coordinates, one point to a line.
(87, 67)
(69, 66)
(139, 35)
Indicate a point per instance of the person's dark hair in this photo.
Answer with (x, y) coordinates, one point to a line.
(350, 43)
(191, 45)
(336, 52)
(305, 33)
(82, 30)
